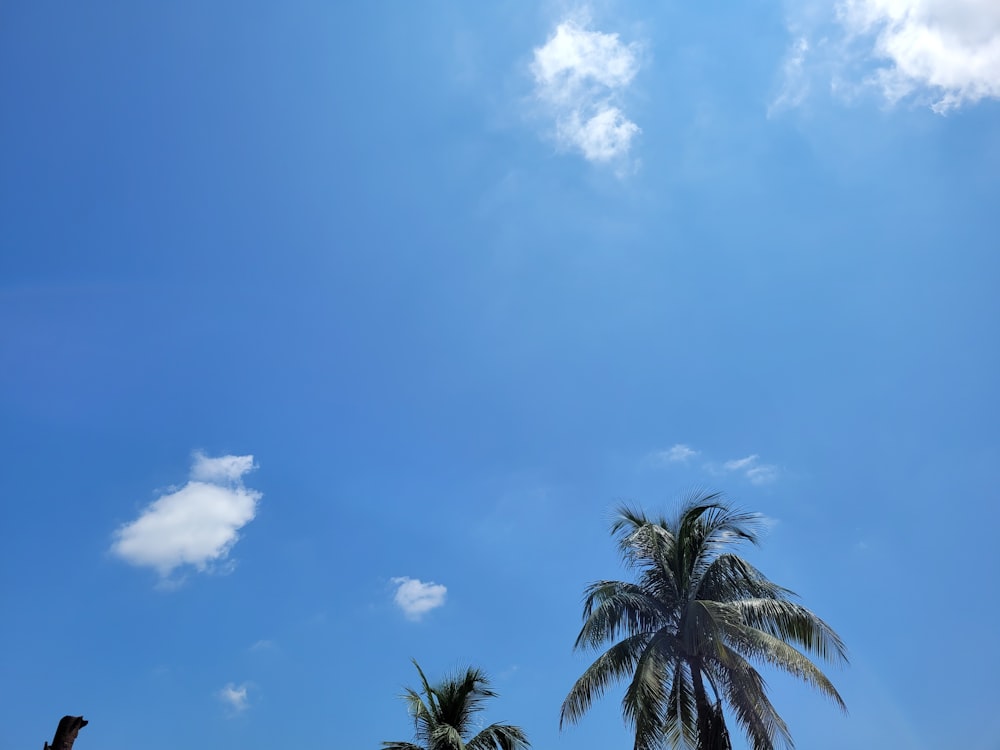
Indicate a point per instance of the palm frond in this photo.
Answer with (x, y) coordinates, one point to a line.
(719, 522)
(613, 665)
(681, 726)
(613, 609)
(461, 695)
(401, 746)
(445, 737)
(443, 714)
(696, 610)
(746, 693)
(793, 623)
(731, 578)
(641, 541)
(763, 646)
(423, 717)
(646, 701)
(706, 526)
(423, 678)
(649, 547)
(628, 518)
(499, 737)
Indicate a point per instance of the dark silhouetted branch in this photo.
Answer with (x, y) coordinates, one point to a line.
(69, 727)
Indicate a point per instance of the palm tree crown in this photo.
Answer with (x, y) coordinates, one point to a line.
(696, 619)
(443, 716)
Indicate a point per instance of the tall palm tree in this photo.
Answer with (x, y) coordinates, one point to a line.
(697, 619)
(443, 716)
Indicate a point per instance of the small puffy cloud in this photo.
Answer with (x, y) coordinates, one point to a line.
(235, 697)
(197, 524)
(580, 76)
(417, 598)
(603, 137)
(676, 454)
(750, 467)
(943, 52)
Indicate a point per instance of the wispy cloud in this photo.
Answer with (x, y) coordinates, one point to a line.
(767, 523)
(676, 454)
(235, 697)
(416, 598)
(764, 474)
(942, 52)
(580, 76)
(197, 524)
(738, 464)
(752, 469)
(795, 78)
(749, 466)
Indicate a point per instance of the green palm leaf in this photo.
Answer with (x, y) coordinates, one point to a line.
(613, 665)
(681, 724)
(499, 737)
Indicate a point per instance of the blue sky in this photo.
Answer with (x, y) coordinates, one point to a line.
(331, 335)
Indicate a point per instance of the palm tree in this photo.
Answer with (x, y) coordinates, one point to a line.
(696, 620)
(443, 716)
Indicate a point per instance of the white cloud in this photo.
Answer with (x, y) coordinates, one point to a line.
(942, 52)
(417, 598)
(750, 467)
(580, 76)
(767, 523)
(601, 138)
(740, 463)
(220, 470)
(795, 86)
(763, 474)
(947, 48)
(235, 697)
(676, 454)
(197, 524)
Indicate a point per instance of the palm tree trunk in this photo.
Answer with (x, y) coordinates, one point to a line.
(702, 706)
(712, 732)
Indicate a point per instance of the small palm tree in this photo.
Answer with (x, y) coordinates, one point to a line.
(695, 621)
(443, 716)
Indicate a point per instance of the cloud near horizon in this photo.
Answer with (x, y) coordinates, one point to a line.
(416, 598)
(945, 53)
(197, 524)
(580, 76)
